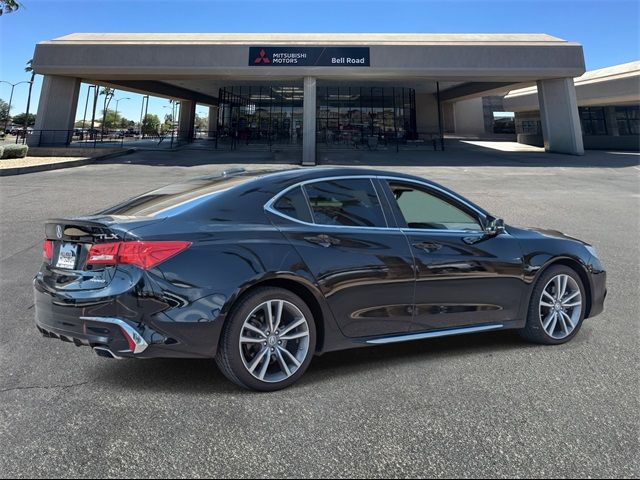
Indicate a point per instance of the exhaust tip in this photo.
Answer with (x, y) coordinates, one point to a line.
(105, 353)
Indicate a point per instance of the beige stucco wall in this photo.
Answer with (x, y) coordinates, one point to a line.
(469, 117)
(426, 113)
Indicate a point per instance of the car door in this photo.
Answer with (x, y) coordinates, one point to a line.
(463, 275)
(364, 268)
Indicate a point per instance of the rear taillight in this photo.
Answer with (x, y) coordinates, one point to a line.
(47, 249)
(103, 254)
(142, 254)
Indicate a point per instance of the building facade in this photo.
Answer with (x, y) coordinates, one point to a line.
(608, 107)
(315, 89)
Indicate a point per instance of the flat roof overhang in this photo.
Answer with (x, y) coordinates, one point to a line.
(197, 62)
(616, 85)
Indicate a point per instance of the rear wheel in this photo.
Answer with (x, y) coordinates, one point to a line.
(268, 341)
(557, 307)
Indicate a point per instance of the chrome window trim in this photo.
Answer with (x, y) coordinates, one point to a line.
(269, 205)
(434, 334)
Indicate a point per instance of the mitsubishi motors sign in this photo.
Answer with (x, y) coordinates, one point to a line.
(309, 56)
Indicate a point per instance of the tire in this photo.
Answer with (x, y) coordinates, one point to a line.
(255, 358)
(540, 327)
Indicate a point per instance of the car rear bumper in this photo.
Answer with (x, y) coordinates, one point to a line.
(98, 323)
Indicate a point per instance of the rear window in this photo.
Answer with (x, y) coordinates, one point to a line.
(176, 198)
(349, 202)
(294, 204)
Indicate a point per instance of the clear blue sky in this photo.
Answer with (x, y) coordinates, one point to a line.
(608, 29)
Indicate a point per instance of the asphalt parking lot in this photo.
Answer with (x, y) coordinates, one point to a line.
(485, 405)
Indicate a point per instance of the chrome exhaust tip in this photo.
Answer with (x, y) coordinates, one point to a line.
(104, 352)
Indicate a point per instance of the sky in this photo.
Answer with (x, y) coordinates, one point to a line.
(608, 29)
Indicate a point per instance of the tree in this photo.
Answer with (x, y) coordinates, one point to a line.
(108, 96)
(150, 124)
(21, 119)
(168, 122)
(4, 112)
(111, 120)
(29, 69)
(8, 6)
(202, 123)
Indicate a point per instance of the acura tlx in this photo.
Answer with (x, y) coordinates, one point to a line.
(264, 270)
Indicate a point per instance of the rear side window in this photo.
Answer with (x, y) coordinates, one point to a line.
(351, 202)
(293, 204)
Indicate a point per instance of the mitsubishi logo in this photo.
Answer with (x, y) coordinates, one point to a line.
(262, 58)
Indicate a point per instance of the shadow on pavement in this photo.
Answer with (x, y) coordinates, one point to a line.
(203, 376)
(456, 154)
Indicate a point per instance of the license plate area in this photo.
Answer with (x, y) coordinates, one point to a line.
(67, 256)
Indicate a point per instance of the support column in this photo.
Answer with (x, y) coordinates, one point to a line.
(309, 122)
(561, 129)
(213, 122)
(187, 120)
(56, 111)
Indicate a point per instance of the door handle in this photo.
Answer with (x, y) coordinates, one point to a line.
(428, 246)
(323, 240)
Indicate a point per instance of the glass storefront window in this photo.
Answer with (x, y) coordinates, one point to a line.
(345, 114)
(628, 119)
(351, 115)
(593, 121)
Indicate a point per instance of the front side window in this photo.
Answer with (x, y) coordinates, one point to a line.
(349, 202)
(424, 210)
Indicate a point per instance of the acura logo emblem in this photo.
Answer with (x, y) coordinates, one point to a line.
(59, 231)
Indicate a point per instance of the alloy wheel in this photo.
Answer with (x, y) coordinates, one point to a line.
(274, 341)
(560, 306)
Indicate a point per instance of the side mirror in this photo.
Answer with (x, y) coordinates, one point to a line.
(496, 227)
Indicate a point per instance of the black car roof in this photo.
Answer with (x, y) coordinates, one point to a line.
(176, 198)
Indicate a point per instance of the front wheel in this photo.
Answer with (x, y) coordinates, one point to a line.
(557, 307)
(268, 341)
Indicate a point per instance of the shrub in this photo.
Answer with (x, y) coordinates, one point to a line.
(14, 151)
(1, 150)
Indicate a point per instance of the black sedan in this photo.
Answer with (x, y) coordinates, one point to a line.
(263, 270)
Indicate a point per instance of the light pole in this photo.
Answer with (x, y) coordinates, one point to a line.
(13, 85)
(145, 99)
(86, 104)
(124, 98)
(116, 118)
(201, 115)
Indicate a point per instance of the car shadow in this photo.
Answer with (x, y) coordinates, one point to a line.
(203, 377)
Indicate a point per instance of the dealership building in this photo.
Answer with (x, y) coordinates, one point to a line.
(316, 89)
(608, 107)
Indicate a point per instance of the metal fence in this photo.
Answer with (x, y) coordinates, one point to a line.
(345, 140)
(96, 139)
(230, 141)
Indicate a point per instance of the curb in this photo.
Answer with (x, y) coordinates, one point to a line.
(59, 166)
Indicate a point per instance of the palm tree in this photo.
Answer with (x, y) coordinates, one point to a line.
(29, 69)
(8, 6)
(108, 95)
